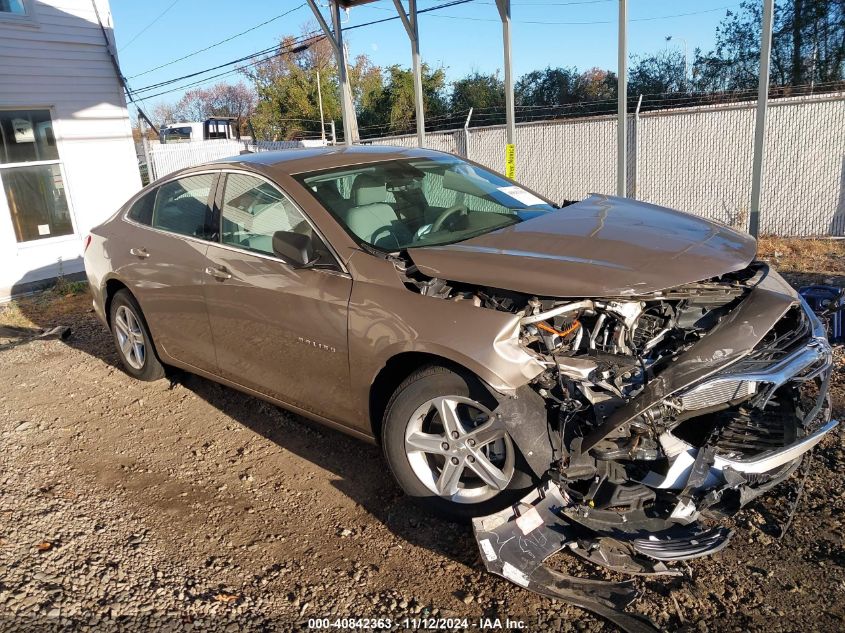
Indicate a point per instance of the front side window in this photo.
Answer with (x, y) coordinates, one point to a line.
(420, 202)
(31, 174)
(181, 206)
(253, 210)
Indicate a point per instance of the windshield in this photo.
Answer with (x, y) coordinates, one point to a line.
(419, 202)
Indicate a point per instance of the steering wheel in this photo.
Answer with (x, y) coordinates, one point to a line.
(445, 215)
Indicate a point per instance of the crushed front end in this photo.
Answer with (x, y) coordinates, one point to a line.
(656, 414)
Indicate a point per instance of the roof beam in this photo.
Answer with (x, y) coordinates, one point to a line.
(411, 24)
(335, 36)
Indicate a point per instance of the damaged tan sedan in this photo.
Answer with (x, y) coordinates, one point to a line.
(620, 367)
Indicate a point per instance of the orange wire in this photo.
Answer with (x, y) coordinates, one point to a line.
(548, 328)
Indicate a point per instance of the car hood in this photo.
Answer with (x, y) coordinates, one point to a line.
(602, 246)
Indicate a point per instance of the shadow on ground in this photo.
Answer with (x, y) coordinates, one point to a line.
(359, 470)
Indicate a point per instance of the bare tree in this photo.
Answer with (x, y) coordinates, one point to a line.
(231, 100)
(165, 113)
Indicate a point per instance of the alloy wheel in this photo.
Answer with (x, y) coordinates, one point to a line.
(130, 338)
(459, 450)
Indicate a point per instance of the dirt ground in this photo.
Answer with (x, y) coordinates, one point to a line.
(184, 505)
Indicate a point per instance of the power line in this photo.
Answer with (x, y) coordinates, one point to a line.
(144, 30)
(583, 23)
(452, 3)
(228, 39)
(266, 51)
(445, 5)
(299, 45)
(251, 56)
(513, 5)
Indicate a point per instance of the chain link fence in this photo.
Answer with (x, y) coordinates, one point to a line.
(697, 159)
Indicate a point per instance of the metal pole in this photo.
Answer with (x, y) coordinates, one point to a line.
(622, 132)
(417, 65)
(335, 36)
(760, 128)
(320, 101)
(350, 124)
(636, 153)
(504, 7)
(409, 21)
(466, 133)
(334, 134)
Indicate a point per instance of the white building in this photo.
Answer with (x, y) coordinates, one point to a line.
(67, 160)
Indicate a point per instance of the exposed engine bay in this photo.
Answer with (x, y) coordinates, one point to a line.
(652, 412)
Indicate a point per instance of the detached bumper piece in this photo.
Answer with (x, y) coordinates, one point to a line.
(516, 542)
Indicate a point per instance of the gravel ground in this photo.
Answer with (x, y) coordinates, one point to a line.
(188, 506)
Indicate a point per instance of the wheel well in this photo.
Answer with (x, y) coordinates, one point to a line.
(393, 374)
(112, 286)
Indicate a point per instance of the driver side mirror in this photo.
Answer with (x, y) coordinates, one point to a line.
(295, 248)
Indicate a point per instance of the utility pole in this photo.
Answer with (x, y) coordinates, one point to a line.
(622, 116)
(320, 102)
(760, 126)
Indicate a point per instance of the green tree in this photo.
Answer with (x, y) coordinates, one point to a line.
(391, 107)
(658, 74)
(482, 92)
(808, 45)
(598, 84)
(286, 85)
(549, 87)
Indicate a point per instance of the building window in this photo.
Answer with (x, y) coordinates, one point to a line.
(13, 7)
(31, 174)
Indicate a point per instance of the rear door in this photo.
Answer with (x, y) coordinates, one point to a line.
(278, 329)
(167, 262)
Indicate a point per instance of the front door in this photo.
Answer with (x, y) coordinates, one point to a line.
(278, 329)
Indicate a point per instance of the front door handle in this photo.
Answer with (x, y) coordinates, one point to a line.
(218, 273)
(139, 252)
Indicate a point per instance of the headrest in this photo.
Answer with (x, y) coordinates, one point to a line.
(329, 194)
(368, 190)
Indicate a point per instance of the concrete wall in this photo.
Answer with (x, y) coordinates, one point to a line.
(58, 59)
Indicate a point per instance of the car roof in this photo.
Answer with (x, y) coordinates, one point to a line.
(308, 159)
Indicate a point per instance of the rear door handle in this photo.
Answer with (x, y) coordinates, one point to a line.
(139, 252)
(218, 273)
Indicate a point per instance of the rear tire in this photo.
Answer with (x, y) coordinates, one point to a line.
(460, 469)
(132, 338)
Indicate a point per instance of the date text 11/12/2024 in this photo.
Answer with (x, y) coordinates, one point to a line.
(418, 624)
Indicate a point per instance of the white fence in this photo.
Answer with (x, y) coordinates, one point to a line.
(694, 159)
(167, 158)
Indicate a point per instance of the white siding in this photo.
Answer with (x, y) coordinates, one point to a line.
(60, 61)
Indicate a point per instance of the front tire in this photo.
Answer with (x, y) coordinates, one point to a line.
(132, 338)
(446, 448)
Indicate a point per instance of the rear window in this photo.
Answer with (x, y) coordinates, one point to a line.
(142, 211)
(182, 206)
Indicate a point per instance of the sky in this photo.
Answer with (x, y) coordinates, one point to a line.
(462, 39)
